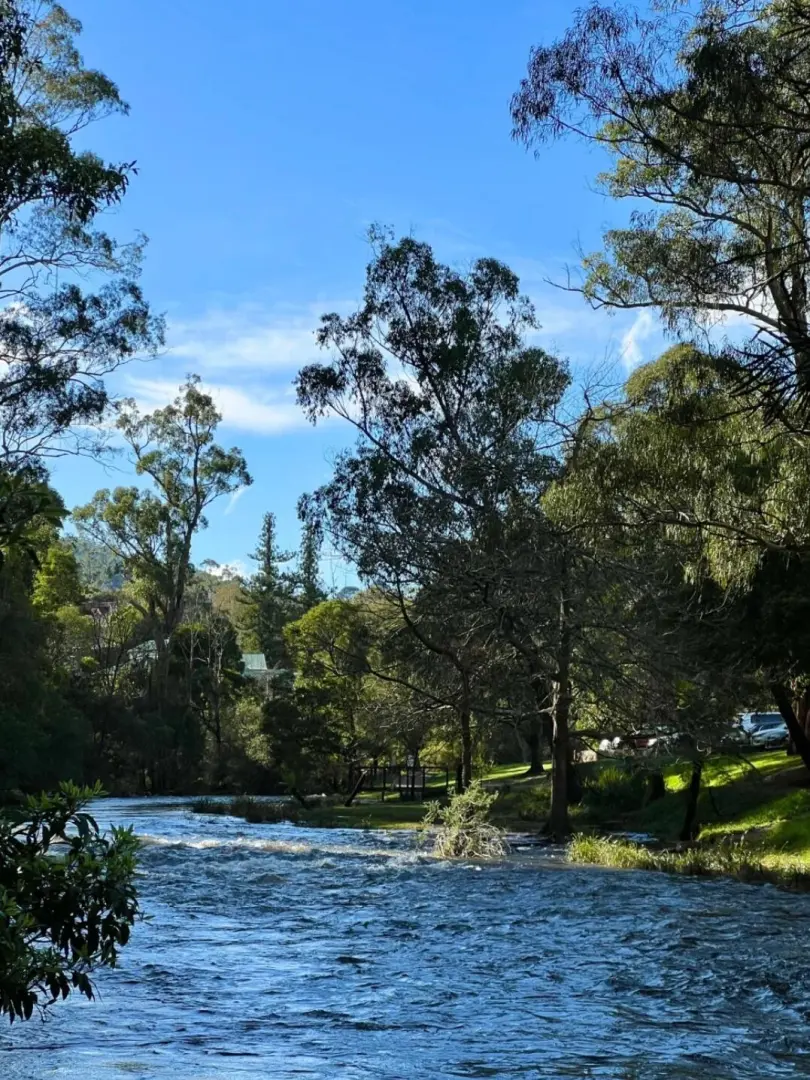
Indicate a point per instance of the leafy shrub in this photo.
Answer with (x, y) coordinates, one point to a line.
(463, 827)
(615, 787)
(67, 899)
(533, 804)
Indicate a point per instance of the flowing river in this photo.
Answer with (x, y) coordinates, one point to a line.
(278, 952)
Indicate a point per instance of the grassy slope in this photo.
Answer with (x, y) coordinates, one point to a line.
(766, 800)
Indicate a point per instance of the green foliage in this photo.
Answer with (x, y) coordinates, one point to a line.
(616, 787)
(269, 596)
(309, 589)
(151, 530)
(437, 504)
(463, 829)
(67, 899)
(56, 584)
(43, 735)
(704, 117)
(27, 503)
(329, 646)
(303, 744)
(534, 804)
(57, 338)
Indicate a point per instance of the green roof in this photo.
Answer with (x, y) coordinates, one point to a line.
(255, 663)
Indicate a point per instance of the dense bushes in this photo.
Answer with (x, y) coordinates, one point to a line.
(615, 787)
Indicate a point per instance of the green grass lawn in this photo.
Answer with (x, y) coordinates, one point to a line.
(366, 813)
(503, 774)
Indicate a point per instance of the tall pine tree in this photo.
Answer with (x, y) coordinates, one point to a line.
(270, 594)
(310, 590)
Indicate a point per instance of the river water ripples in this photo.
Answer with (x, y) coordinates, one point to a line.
(279, 952)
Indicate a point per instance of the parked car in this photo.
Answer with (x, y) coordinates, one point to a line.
(770, 733)
(751, 722)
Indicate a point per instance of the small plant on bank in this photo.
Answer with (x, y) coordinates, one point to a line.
(463, 829)
(608, 851)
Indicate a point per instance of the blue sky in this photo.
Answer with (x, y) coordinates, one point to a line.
(269, 134)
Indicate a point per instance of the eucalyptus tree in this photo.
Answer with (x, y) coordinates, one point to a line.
(714, 501)
(704, 110)
(151, 528)
(59, 337)
(457, 441)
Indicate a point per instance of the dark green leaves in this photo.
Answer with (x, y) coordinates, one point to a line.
(67, 899)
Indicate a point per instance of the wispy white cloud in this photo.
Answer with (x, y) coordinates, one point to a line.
(642, 329)
(250, 337)
(260, 410)
(234, 499)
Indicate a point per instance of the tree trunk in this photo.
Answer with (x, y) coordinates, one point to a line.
(466, 744)
(795, 729)
(656, 787)
(535, 749)
(539, 726)
(558, 822)
(299, 798)
(691, 824)
(358, 787)
(573, 783)
(802, 710)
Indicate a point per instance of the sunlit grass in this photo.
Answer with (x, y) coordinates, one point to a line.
(733, 859)
(511, 772)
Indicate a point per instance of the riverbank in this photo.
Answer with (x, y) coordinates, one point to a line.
(754, 813)
(737, 859)
(365, 813)
(755, 823)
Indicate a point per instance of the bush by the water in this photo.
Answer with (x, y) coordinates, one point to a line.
(254, 811)
(616, 787)
(533, 804)
(463, 829)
